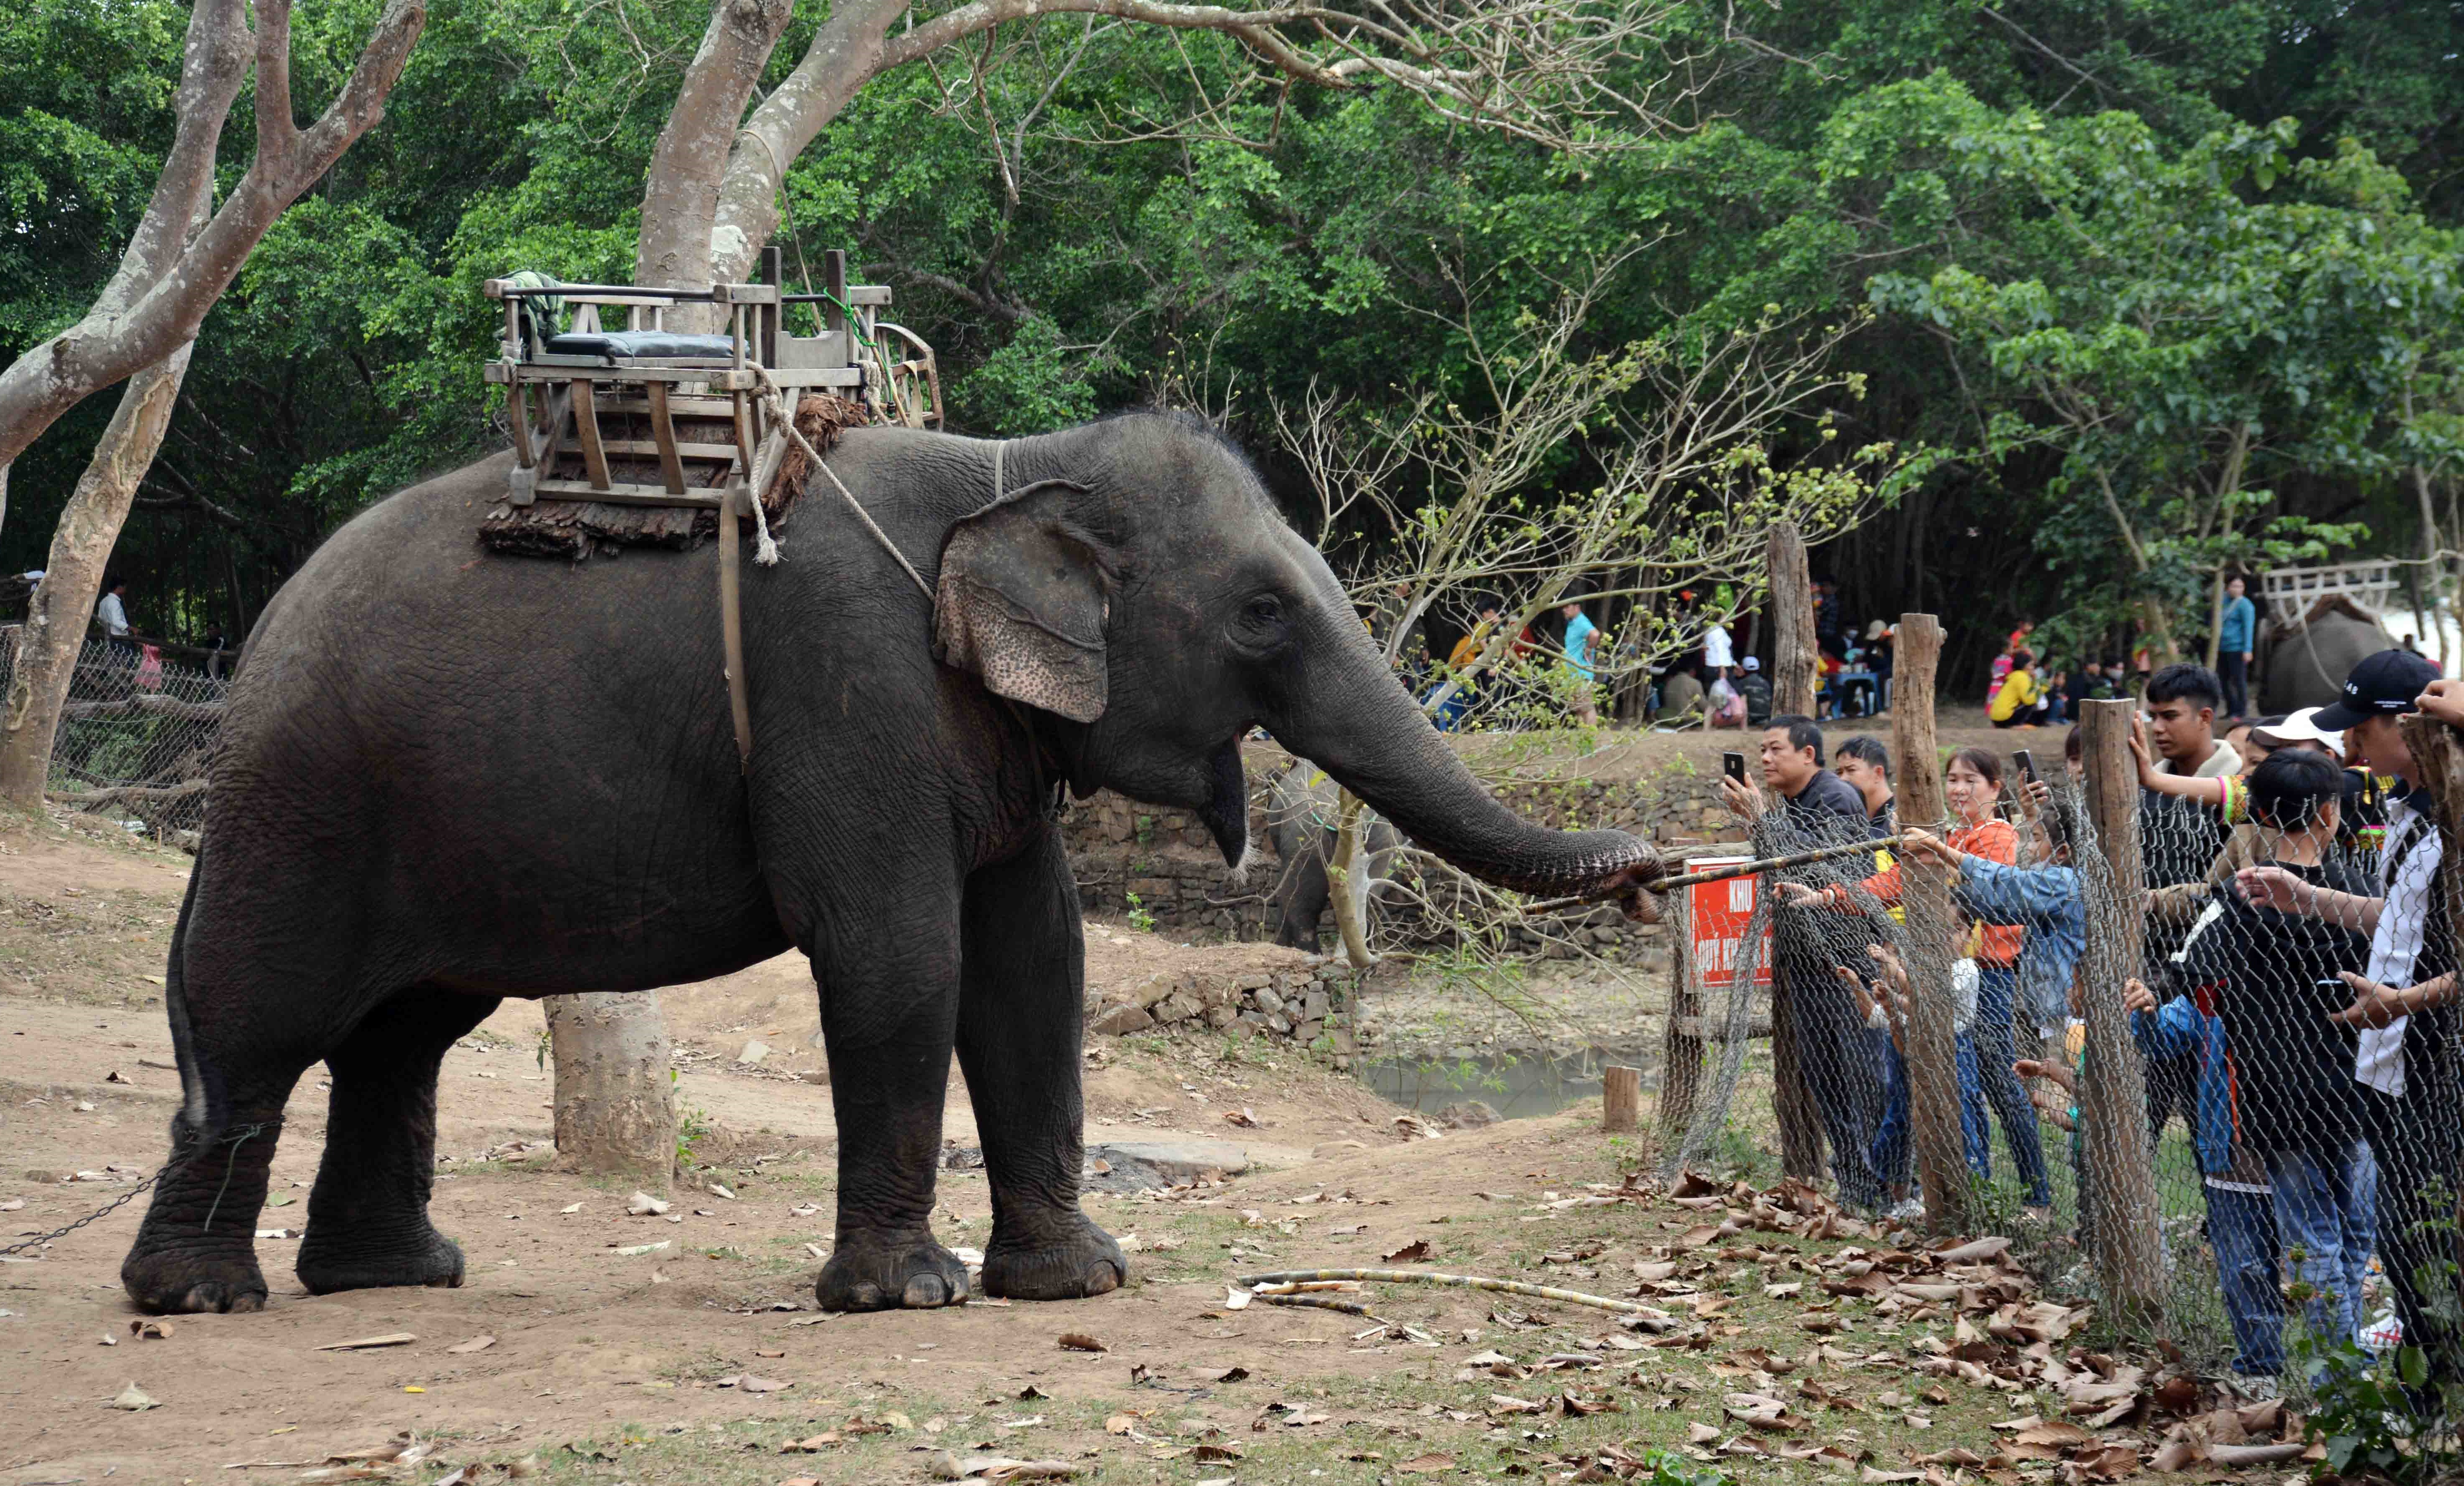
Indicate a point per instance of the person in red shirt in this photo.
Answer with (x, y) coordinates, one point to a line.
(1973, 786)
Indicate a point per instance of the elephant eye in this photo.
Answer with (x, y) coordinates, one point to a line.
(1265, 611)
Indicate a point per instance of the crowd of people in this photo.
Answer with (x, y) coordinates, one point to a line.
(2293, 1009)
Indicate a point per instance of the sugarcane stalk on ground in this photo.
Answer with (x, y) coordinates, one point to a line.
(1295, 1277)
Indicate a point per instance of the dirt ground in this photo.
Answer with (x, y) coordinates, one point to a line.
(568, 1355)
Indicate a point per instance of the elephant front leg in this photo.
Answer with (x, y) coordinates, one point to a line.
(1020, 1012)
(887, 1016)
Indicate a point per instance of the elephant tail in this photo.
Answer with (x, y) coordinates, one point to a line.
(193, 1109)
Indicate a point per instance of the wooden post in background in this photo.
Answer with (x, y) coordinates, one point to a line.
(1796, 659)
(1680, 1058)
(1620, 1098)
(1931, 1053)
(2113, 1089)
(1795, 664)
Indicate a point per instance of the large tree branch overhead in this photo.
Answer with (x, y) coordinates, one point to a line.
(167, 280)
(1554, 72)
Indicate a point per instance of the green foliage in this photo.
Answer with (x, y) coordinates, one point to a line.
(1139, 919)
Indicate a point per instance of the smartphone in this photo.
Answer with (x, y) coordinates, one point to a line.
(1734, 766)
(2026, 759)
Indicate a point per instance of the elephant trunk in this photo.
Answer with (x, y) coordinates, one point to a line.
(1352, 717)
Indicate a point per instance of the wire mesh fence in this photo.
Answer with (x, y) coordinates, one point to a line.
(2283, 1171)
(134, 736)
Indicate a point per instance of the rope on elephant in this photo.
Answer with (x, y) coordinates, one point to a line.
(1254, 1284)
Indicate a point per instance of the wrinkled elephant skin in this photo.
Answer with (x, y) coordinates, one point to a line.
(448, 777)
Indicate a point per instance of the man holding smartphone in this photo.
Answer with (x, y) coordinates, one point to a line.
(1816, 807)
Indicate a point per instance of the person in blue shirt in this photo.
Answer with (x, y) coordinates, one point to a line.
(2236, 633)
(2043, 900)
(1580, 632)
(2241, 1202)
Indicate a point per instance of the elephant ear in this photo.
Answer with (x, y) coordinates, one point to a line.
(1021, 603)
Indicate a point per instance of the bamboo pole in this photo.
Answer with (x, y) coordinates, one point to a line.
(1794, 663)
(1931, 1045)
(2113, 1090)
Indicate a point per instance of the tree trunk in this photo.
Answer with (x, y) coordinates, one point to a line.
(55, 621)
(1794, 667)
(615, 1098)
(1932, 1045)
(680, 196)
(1347, 880)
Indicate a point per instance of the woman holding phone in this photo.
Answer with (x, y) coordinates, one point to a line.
(1973, 786)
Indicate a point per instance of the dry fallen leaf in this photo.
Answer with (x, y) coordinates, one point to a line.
(150, 1330)
(477, 1343)
(1416, 1251)
(1080, 1341)
(363, 1344)
(135, 1400)
(1241, 1118)
(1427, 1465)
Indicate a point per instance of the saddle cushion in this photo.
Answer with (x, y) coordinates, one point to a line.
(619, 344)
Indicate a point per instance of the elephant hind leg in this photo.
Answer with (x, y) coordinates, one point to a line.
(368, 1214)
(1303, 895)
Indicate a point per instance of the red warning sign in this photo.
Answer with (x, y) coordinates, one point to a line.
(1717, 914)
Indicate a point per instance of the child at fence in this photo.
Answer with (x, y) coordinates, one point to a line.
(2241, 1209)
(1885, 1006)
(1973, 785)
(2278, 979)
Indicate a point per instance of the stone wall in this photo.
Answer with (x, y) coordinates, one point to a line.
(1235, 989)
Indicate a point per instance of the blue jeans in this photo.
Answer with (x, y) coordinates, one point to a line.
(1986, 1080)
(2241, 1229)
(1890, 1149)
(2326, 1221)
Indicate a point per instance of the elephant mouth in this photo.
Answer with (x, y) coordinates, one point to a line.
(1226, 811)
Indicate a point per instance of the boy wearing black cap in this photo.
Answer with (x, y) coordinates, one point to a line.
(2401, 1002)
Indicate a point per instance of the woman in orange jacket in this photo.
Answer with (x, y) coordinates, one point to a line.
(1973, 785)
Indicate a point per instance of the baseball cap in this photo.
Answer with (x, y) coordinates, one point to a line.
(1753, 663)
(2300, 727)
(2384, 685)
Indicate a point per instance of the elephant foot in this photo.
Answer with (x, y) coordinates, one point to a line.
(1072, 1267)
(172, 1283)
(889, 1272)
(431, 1258)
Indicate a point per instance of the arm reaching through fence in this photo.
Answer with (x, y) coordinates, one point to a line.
(2274, 887)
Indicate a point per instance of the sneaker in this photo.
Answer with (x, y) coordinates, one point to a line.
(1909, 1209)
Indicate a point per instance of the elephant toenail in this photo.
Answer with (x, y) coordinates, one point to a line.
(865, 1297)
(1103, 1279)
(925, 1292)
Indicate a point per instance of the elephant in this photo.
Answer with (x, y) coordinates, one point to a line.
(449, 776)
(2306, 666)
(1300, 822)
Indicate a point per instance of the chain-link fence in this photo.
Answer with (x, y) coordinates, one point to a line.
(2289, 1189)
(134, 736)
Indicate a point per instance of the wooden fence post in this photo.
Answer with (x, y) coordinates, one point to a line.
(1680, 1056)
(1932, 1050)
(1620, 1097)
(1795, 662)
(2113, 1089)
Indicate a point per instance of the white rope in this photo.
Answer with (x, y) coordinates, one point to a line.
(764, 545)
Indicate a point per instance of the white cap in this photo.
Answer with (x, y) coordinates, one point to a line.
(1753, 663)
(2300, 728)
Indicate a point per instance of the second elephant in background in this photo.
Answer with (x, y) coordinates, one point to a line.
(1301, 815)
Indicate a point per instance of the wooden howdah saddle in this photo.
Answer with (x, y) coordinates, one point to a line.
(648, 437)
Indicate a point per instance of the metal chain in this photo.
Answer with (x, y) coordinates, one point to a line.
(103, 1211)
(234, 1138)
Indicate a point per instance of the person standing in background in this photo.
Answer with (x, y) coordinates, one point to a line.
(2237, 632)
(1719, 651)
(1757, 692)
(1580, 635)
